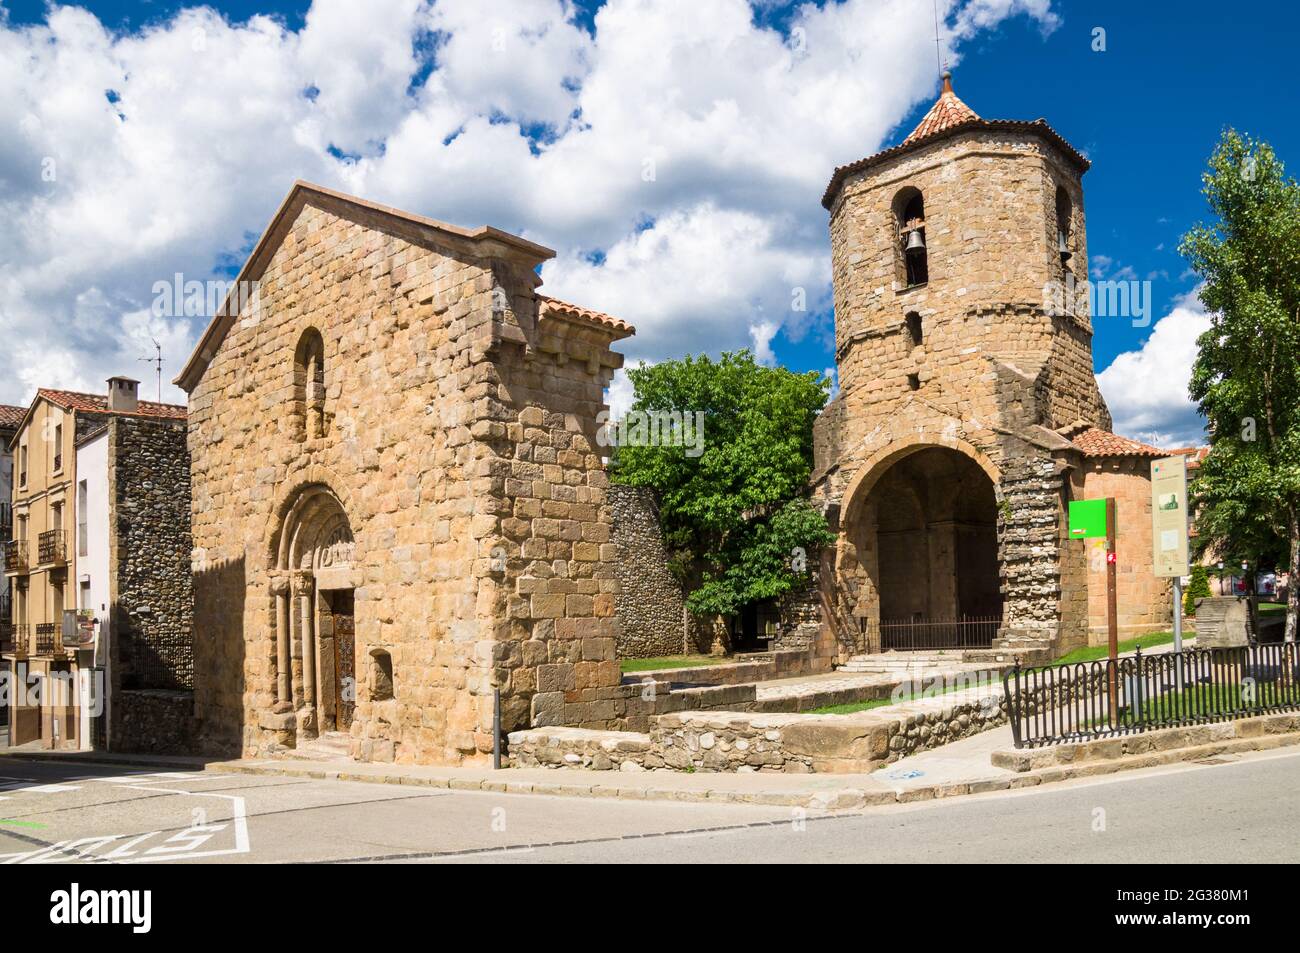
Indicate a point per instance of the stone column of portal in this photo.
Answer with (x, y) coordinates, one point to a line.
(283, 665)
(306, 592)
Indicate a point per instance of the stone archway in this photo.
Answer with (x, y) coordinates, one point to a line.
(919, 552)
(313, 582)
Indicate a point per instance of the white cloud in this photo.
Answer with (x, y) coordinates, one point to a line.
(1146, 389)
(170, 148)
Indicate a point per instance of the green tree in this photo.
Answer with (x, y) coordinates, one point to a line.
(732, 506)
(1199, 588)
(1246, 378)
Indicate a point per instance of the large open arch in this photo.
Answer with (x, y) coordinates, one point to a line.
(919, 550)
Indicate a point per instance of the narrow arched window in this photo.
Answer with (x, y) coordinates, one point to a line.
(909, 219)
(914, 331)
(309, 385)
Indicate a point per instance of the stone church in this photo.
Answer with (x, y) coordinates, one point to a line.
(399, 503)
(968, 414)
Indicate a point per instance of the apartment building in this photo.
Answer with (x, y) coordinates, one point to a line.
(52, 643)
(10, 418)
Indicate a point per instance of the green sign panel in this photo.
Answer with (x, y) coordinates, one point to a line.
(1087, 519)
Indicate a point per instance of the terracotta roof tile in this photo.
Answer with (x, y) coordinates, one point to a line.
(551, 305)
(1102, 443)
(98, 403)
(11, 416)
(948, 111)
(947, 116)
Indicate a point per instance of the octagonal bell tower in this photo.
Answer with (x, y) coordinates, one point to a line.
(958, 333)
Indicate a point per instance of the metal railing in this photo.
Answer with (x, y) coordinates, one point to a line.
(909, 635)
(52, 547)
(16, 555)
(10, 637)
(48, 638)
(1105, 698)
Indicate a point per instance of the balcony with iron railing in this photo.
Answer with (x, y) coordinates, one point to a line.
(48, 638)
(15, 638)
(52, 548)
(16, 556)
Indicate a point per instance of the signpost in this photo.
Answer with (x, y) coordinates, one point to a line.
(1093, 519)
(1169, 556)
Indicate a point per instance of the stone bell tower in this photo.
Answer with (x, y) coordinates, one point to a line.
(963, 369)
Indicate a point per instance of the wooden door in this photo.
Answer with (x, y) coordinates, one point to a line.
(345, 664)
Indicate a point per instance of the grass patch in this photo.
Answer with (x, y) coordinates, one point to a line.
(1272, 607)
(1196, 702)
(670, 661)
(1093, 652)
(849, 708)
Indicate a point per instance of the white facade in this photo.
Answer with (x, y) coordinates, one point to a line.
(90, 515)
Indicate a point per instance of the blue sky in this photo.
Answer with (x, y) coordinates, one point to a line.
(737, 229)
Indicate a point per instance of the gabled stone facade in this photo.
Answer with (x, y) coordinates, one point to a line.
(399, 501)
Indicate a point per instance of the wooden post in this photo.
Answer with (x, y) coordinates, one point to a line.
(1112, 619)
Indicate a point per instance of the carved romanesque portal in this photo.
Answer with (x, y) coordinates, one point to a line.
(313, 585)
(921, 552)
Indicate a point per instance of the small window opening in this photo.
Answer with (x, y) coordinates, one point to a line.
(914, 328)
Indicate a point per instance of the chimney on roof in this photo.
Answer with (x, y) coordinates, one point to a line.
(123, 394)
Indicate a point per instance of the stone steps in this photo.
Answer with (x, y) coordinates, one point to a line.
(328, 746)
(902, 663)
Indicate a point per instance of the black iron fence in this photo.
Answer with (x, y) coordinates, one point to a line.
(1104, 698)
(910, 635)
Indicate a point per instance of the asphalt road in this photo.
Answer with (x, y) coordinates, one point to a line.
(1241, 811)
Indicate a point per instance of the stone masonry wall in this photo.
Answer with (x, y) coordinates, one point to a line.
(650, 597)
(151, 595)
(1144, 602)
(458, 438)
(994, 374)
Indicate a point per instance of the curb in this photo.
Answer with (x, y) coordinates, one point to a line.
(832, 799)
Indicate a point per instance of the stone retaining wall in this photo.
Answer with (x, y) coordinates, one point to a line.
(1146, 742)
(789, 743)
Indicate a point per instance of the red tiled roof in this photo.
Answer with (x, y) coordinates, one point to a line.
(1103, 443)
(98, 403)
(947, 116)
(11, 416)
(948, 111)
(551, 305)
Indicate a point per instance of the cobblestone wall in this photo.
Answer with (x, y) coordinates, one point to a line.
(650, 597)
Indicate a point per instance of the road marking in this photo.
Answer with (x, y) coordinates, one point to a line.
(185, 843)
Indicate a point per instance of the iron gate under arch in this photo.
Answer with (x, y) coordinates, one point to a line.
(921, 633)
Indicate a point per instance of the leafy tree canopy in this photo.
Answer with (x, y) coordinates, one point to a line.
(731, 506)
(1246, 378)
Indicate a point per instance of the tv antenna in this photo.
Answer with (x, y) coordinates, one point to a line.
(937, 60)
(157, 362)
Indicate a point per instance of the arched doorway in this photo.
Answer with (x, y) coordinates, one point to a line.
(315, 612)
(924, 545)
